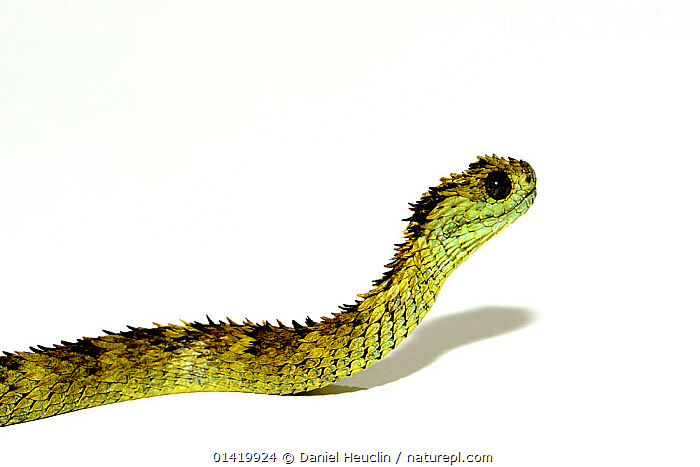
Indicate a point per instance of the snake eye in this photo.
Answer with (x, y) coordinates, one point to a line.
(498, 185)
(528, 179)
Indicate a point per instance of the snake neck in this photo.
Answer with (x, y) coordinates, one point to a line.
(407, 291)
(438, 239)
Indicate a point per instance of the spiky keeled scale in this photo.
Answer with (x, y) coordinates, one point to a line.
(448, 223)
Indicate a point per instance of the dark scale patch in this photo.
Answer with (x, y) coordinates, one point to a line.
(85, 347)
(199, 326)
(424, 206)
(187, 338)
(480, 164)
(154, 336)
(13, 365)
(415, 230)
(299, 329)
(352, 307)
(416, 227)
(279, 336)
(254, 350)
(255, 331)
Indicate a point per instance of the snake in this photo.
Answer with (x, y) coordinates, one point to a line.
(446, 225)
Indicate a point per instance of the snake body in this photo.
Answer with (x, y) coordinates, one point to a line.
(447, 224)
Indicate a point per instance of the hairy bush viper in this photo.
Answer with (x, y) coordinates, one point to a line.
(448, 224)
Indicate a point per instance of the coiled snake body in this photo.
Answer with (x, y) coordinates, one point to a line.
(447, 225)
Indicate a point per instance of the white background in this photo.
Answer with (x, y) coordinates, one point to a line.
(167, 160)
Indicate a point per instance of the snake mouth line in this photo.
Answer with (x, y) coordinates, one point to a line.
(530, 197)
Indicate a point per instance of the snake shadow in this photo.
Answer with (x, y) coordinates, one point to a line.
(432, 339)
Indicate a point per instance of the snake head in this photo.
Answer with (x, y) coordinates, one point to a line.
(468, 208)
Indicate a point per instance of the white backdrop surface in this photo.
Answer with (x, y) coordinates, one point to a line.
(167, 160)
